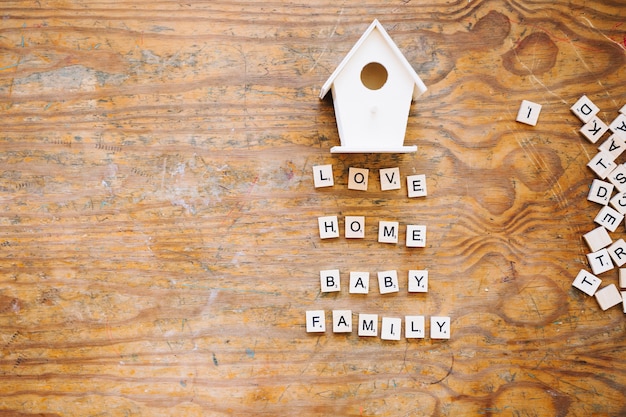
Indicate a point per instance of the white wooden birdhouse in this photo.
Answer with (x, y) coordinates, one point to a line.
(372, 92)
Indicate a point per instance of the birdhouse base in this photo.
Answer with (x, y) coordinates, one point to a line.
(347, 149)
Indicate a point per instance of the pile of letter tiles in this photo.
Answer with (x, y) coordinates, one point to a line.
(608, 190)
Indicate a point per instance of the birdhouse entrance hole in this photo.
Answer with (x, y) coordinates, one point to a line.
(374, 75)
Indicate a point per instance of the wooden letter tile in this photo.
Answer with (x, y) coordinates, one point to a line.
(323, 176)
(388, 232)
(414, 327)
(618, 202)
(618, 126)
(622, 278)
(602, 164)
(416, 184)
(594, 129)
(388, 282)
(418, 280)
(315, 321)
(609, 218)
(600, 192)
(614, 145)
(600, 261)
(617, 177)
(355, 227)
(368, 325)
(358, 179)
(329, 227)
(597, 239)
(617, 251)
(608, 297)
(329, 280)
(584, 109)
(390, 179)
(391, 328)
(342, 321)
(415, 236)
(528, 112)
(586, 282)
(439, 327)
(359, 282)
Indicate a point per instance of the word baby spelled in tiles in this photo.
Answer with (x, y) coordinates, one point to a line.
(388, 282)
(607, 253)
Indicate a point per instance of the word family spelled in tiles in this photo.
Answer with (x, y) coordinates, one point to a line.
(608, 189)
(388, 282)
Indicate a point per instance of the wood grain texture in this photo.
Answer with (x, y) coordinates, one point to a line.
(158, 229)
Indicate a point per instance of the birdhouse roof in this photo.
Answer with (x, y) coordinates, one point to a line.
(418, 85)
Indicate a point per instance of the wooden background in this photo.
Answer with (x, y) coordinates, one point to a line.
(158, 229)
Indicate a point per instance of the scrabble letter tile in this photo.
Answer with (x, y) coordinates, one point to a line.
(358, 179)
(388, 232)
(315, 321)
(439, 327)
(329, 227)
(359, 282)
(355, 227)
(584, 109)
(602, 164)
(323, 176)
(342, 321)
(368, 325)
(618, 126)
(609, 218)
(418, 280)
(614, 145)
(617, 251)
(414, 327)
(600, 261)
(528, 112)
(597, 239)
(594, 129)
(622, 278)
(416, 184)
(623, 294)
(329, 280)
(618, 202)
(415, 236)
(617, 177)
(586, 282)
(391, 328)
(623, 109)
(600, 192)
(608, 297)
(388, 282)
(390, 179)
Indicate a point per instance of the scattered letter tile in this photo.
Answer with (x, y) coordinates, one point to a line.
(600, 261)
(602, 164)
(315, 321)
(329, 280)
(390, 179)
(359, 282)
(358, 179)
(414, 327)
(584, 109)
(618, 126)
(415, 236)
(329, 227)
(368, 325)
(418, 280)
(528, 112)
(391, 328)
(355, 227)
(609, 218)
(586, 282)
(623, 109)
(342, 321)
(622, 278)
(617, 251)
(597, 239)
(388, 232)
(594, 129)
(388, 282)
(617, 177)
(323, 176)
(439, 327)
(600, 192)
(623, 294)
(608, 297)
(614, 145)
(416, 184)
(618, 202)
